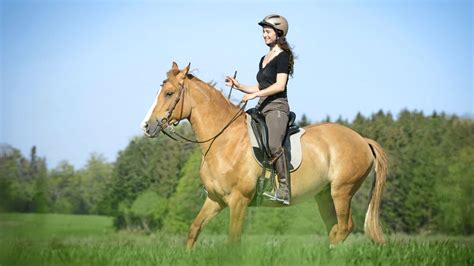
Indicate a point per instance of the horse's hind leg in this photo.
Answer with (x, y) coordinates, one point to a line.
(326, 208)
(208, 211)
(342, 196)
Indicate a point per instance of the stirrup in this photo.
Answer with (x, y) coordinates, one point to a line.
(270, 195)
(273, 197)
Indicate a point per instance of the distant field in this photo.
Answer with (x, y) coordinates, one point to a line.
(51, 239)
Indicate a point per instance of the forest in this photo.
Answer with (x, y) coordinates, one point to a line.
(153, 184)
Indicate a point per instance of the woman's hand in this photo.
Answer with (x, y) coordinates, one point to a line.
(230, 81)
(249, 96)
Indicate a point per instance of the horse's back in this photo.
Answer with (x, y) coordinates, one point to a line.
(339, 144)
(334, 134)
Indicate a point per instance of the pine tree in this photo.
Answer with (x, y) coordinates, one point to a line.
(304, 121)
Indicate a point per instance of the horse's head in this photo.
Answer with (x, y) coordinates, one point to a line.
(169, 106)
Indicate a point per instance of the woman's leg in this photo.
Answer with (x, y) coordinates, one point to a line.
(277, 123)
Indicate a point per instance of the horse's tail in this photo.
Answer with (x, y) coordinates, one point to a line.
(372, 224)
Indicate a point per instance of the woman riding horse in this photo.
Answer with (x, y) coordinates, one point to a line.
(335, 159)
(272, 78)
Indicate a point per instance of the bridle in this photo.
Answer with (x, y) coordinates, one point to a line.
(165, 122)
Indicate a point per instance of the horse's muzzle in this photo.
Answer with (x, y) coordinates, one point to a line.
(152, 128)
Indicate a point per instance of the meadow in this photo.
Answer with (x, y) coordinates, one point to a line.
(55, 239)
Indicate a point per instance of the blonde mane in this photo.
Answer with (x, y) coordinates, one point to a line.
(210, 88)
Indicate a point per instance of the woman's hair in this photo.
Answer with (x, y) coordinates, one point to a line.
(283, 44)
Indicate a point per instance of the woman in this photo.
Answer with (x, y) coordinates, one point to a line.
(272, 77)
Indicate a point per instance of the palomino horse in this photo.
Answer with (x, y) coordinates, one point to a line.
(336, 160)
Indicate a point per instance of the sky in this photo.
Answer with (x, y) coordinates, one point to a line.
(78, 77)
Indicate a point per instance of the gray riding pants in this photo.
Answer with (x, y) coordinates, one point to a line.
(277, 123)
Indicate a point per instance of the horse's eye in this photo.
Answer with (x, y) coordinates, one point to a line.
(170, 93)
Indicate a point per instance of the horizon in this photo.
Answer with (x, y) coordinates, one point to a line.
(5, 146)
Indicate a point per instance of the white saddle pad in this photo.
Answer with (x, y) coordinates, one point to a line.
(293, 145)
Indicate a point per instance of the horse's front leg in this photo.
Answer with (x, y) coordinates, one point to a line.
(208, 211)
(238, 209)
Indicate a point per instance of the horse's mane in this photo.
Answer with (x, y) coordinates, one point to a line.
(210, 86)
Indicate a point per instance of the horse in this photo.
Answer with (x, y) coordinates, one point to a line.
(336, 160)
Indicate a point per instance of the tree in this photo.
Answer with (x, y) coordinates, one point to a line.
(38, 176)
(146, 164)
(23, 181)
(146, 213)
(12, 198)
(94, 180)
(304, 121)
(188, 198)
(454, 195)
(62, 188)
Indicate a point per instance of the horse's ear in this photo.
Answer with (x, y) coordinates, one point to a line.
(183, 73)
(186, 69)
(175, 68)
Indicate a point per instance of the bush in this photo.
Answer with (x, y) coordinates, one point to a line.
(145, 214)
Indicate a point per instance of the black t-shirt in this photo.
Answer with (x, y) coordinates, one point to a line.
(266, 77)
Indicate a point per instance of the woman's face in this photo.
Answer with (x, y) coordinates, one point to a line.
(269, 35)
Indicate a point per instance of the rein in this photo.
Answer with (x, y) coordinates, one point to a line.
(164, 123)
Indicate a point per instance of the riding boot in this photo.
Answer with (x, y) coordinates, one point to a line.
(280, 164)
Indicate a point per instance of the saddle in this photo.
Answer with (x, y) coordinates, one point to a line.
(260, 134)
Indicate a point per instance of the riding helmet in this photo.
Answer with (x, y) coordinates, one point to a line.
(277, 22)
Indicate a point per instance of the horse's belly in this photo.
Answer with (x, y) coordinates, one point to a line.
(312, 175)
(305, 186)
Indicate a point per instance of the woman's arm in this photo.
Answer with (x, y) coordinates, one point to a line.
(275, 88)
(229, 81)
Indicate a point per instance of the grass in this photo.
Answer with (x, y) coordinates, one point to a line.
(50, 239)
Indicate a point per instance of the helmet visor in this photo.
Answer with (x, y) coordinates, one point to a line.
(264, 23)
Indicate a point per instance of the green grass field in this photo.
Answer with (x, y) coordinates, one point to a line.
(52, 239)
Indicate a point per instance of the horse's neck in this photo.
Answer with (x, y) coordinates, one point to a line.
(211, 113)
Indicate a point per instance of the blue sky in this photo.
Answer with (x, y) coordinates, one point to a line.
(79, 76)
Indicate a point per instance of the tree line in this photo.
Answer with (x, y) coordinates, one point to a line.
(154, 184)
